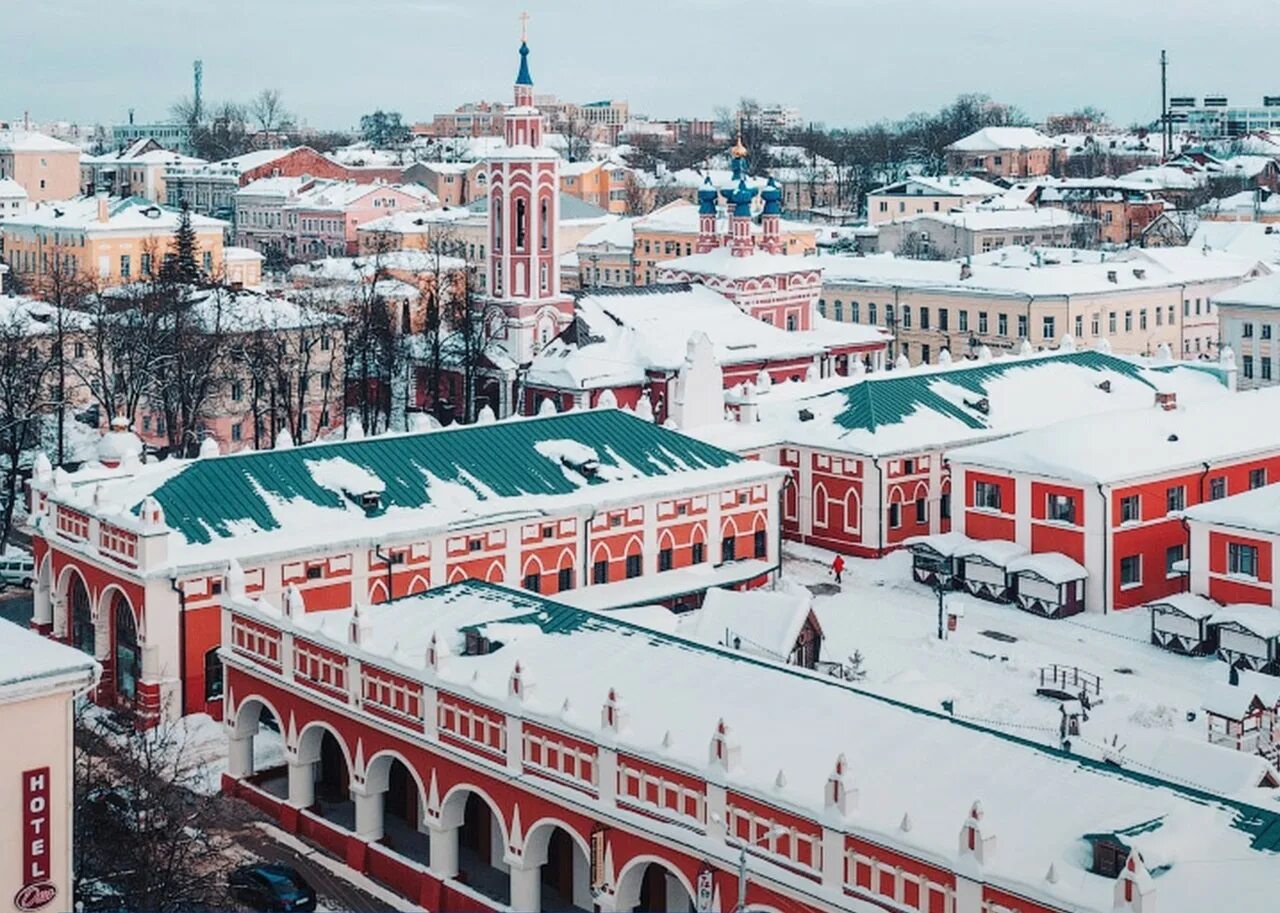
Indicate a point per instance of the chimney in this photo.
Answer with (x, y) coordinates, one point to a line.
(103, 214)
(965, 271)
(1167, 401)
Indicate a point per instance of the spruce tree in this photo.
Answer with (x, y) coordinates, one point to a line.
(181, 267)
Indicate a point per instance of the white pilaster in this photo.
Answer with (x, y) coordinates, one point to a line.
(240, 756)
(526, 886)
(369, 805)
(302, 783)
(444, 850)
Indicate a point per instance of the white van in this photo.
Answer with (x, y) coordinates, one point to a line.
(17, 570)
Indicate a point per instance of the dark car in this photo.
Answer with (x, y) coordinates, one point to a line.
(271, 887)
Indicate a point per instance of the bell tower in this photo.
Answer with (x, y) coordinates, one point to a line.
(523, 263)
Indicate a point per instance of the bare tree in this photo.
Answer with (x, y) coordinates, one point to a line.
(269, 114)
(474, 322)
(145, 833)
(25, 370)
(577, 134)
(66, 292)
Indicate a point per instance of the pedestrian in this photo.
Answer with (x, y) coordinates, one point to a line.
(837, 567)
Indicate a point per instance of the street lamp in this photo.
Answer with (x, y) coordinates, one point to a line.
(776, 831)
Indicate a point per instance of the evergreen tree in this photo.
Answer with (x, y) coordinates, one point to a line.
(181, 266)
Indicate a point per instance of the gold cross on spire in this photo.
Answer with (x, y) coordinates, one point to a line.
(524, 26)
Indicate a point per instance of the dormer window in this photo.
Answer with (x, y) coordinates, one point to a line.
(371, 500)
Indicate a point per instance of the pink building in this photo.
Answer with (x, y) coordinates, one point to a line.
(321, 219)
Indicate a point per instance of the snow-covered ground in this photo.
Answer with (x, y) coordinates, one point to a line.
(1147, 692)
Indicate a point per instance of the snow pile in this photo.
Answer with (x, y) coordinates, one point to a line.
(344, 477)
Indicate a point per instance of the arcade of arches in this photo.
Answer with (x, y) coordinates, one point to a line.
(466, 843)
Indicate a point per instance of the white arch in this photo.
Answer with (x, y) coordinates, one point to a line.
(630, 880)
(820, 499)
(532, 560)
(639, 546)
(566, 559)
(418, 585)
(375, 587)
(666, 537)
(106, 603)
(309, 743)
(241, 726)
(852, 511)
(917, 493)
(896, 494)
(728, 523)
(595, 552)
(377, 776)
(538, 839)
(497, 572)
(454, 805)
(758, 522)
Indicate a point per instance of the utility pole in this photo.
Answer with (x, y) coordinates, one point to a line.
(1165, 137)
(197, 68)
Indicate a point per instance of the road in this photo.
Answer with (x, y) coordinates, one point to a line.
(16, 605)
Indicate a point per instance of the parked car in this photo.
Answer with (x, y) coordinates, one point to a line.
(266, 886)
(17, 569)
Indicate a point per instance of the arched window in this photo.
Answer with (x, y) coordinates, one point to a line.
(497, 224)
(822, 307)
(82, 634)
(544, 233)
(522, 217)
(212, 675)
(128, 656)
(839, 313)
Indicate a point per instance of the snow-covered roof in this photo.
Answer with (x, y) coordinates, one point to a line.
(935, 406)
(951, 185)
(1167, 177)
(619, 335)
(363, 268)
(1052, 566)
(947, 544)
(1145, 268)
(999, 552)
(128, 214)
(31, 664)
(619, 233)
(410, 222)
(279, 185)
(1029, 219)
(31, 141)
(1247, 202)
(1135, 444)
(1252, 240)
(995, 139)
(1261, 620)
(763, 623)
(12, 190)
(1263, 292)
(1038, 802)
(335, 196)
(257, 503)
(1257, 510)
(1225, 771)
(1190, 604)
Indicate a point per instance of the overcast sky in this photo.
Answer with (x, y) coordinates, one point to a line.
(838, 61)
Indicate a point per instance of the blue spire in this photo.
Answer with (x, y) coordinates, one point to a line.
(523, 78)
(707, 198)
(772, 197)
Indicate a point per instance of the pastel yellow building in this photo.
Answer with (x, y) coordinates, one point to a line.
(112, 241)
(39, 678)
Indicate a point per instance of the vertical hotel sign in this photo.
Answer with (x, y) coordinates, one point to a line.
(37, 889)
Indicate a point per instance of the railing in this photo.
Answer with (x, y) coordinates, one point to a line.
(1071, 679)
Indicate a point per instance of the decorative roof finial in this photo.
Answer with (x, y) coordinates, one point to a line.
(523, 78)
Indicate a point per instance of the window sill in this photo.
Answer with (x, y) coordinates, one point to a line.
(1130, 586)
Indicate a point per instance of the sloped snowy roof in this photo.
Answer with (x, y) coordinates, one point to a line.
(31, 663)
(1052, 566)
(1119, 446)
(1261, 620)
(995, 139)
(1263, 292)
(123, 214)
(620, 335)
(933, 406)
(722, 262)
(1189, 604)
(763, 623)
(31, 141)
(1253, 240)
(264, 502)
(957, 185)
(1039, 802)
(1028, 219)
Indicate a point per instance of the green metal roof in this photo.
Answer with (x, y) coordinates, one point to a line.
(211, 497)
(881, 401)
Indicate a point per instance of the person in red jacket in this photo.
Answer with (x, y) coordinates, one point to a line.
(837, 567)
